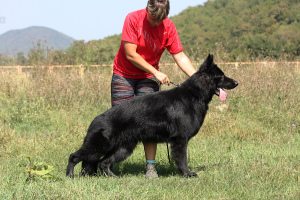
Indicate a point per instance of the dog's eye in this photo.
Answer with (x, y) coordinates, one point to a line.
(220, 78)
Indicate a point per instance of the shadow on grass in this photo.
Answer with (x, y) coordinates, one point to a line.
(164, 170)
(139, 169)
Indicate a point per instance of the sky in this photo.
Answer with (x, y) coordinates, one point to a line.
(80, 19)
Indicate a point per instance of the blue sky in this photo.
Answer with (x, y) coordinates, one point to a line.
(82, 20)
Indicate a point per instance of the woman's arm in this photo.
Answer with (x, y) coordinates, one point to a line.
(184, 63)
(139, 62)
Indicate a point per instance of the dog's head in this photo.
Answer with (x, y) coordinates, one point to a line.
(220, 81)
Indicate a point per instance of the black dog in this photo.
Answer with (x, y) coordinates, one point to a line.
(173, 116)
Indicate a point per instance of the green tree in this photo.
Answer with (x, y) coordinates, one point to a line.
(21, 60)
(37, 54)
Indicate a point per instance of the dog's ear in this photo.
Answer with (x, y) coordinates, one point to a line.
(210, 59)
(207, 63)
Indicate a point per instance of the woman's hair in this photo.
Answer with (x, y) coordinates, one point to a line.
(159, 9)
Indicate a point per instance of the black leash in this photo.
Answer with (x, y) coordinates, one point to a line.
(168, 153)
(167, 142)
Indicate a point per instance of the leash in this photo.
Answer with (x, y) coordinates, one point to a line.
(177, 85)
(168, 152)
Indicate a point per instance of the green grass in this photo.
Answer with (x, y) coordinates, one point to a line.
(250, 150)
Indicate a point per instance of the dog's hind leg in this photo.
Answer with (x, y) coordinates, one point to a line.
(89, 168)
(109, 159)
(179, 154)
(74, 159)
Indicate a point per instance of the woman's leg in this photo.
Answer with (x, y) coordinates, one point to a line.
(144, 87)
(150, 150)
(122, 89)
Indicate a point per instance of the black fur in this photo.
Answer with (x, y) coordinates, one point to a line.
(174, 115)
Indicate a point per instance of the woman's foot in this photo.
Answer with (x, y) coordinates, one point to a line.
(151, 171)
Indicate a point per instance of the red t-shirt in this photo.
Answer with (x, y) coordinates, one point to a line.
(151, 43)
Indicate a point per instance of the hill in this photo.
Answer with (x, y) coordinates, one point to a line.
(253, 28)
(241, 29)
(15, 41)
(265, 27)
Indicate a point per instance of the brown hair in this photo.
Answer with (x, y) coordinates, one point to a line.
(158, 9)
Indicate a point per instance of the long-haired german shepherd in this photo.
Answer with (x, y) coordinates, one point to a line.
(173, 116)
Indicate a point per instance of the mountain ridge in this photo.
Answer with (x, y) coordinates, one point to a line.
(22, 40)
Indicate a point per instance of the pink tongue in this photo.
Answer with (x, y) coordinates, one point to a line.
(222, 95)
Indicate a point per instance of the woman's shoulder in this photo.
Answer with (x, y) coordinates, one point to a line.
(168, 23)
(138, 14)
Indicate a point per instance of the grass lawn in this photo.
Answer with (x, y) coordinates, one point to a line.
(248, 147)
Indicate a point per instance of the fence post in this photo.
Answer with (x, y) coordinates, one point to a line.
(19, 69)
(81, 72)
(50, 69)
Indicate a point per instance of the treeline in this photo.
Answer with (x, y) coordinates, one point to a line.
(95, 52)
(259, 27)
(240, 28)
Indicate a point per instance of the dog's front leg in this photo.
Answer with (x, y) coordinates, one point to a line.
(179, 154)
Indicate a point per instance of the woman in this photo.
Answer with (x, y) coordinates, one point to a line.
(146, 34)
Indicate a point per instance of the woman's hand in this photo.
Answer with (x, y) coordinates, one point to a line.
(163, 78)
(139, 62)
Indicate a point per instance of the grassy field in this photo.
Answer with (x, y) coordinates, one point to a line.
(248, 147)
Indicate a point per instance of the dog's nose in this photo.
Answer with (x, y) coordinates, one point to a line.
(236, 83)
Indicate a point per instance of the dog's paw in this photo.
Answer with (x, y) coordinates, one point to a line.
(109, 173)
(82, 173)
(191, 174)
(70, 175)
